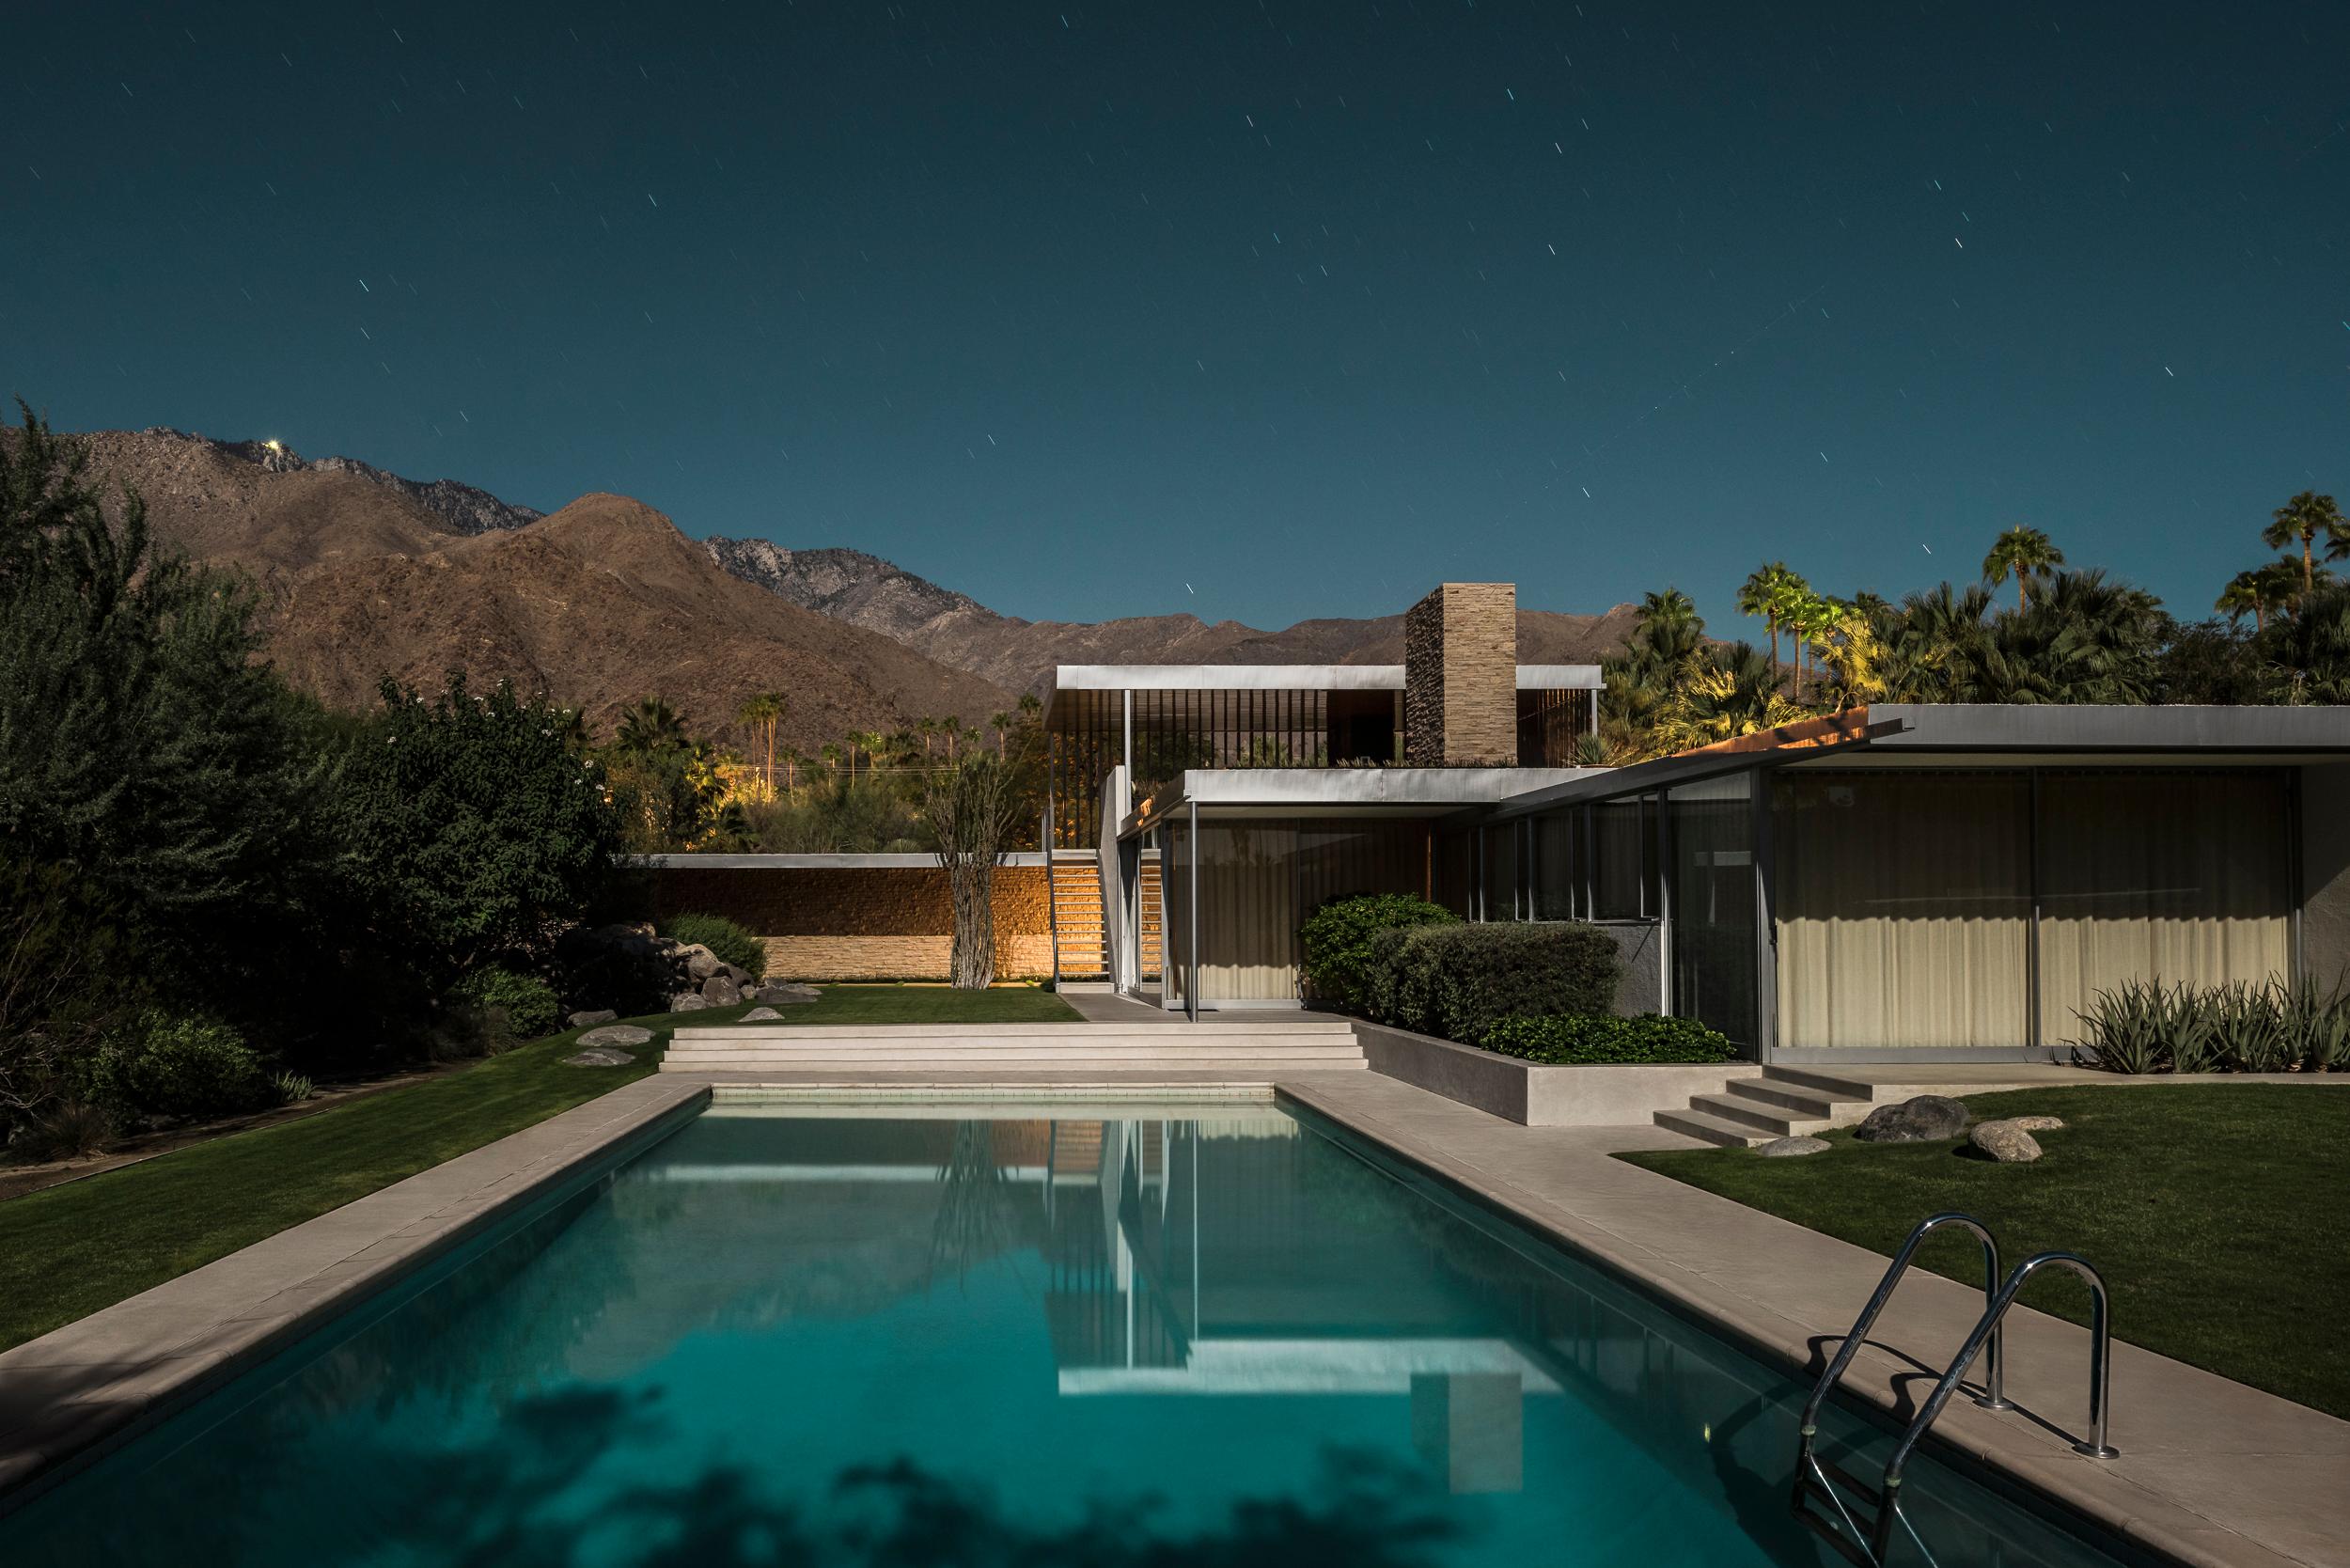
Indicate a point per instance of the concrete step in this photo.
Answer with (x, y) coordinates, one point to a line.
(955, 1035)
(1770, 1120)
(1803, 1102)
(843, 1050)
(1254, 1067)
(1712, 1129)
(1826, 1080)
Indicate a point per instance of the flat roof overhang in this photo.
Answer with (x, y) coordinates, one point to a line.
(1396, 792)
(1987, 734)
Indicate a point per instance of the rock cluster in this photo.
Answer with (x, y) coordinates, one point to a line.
(631, 961)
(1790, 1148)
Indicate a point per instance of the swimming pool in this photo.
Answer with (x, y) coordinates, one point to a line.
(1126, 1334)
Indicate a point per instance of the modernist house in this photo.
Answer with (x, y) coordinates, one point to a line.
(1898, 883)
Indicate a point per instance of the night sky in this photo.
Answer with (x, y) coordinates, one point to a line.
(1304, 305)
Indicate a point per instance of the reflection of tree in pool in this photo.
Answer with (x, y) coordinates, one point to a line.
(973, 1223)
(541, 1492)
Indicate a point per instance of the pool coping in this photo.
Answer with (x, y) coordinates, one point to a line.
(83, 1391)
(2171, 1419)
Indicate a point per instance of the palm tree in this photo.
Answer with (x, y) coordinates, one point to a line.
(762, 714)
(2303, 519)
(2025, 554)
(1001, 724)
(1764, 593)
(926, 728)
(2257, 592)
(650, 729)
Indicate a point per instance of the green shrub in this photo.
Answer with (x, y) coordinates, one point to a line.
(731, 942)
(180, 1067)
(2317, 1026)
(1460, 981)
(1338, 942)
(527, 1003)
(1592, 1039)
(2127, 1029)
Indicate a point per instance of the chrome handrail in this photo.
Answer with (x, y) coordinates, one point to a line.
(2100, 1377)
(1807, 1461)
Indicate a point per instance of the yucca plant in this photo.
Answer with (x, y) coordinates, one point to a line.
(2316, 1024)
(2247, 1032)
(2123, 1027)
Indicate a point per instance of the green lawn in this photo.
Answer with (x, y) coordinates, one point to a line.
(930, 1004)
(67, 1252)
(2220, 1216)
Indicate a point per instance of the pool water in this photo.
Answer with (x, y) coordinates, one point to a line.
(1148, 1335)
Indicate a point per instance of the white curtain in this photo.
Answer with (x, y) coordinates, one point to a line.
(1248, 912)
(2158, 876)
(1904, 909)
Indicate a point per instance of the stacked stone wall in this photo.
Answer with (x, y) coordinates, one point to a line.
(861, 923)
(1460, 677)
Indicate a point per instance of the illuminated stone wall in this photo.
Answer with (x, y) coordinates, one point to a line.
(861, 923)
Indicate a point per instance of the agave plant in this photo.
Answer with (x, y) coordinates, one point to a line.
(2248, 1030)
(2316, 1024)
(2124, 1028)
(2189, 1030)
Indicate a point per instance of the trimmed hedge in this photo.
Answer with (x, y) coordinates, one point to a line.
(1462, 981)
(1647, 1038)
(1338, 939)
(732, 942)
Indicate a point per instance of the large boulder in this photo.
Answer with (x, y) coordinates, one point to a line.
(1788, 1148)
(744, 980)
(2005, 1142)
(759, 1015)
(1923, 1119)
(785, 995)
(598, 1055)
(617, 1035)
(718, 991)
(688, 1001)
(590, 1020)
(699, 960)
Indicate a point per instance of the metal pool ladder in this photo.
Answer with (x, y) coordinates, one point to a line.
(1818, 1479)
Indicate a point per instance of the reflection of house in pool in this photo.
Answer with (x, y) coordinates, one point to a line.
(1218, 1257)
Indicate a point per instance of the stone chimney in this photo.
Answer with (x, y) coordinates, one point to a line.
(1460, 677)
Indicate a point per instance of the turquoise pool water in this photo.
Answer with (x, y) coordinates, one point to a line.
(1142, 1336)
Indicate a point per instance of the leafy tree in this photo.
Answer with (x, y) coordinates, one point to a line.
(2303, 521)
(147, 752)
(2028, 555)
(650, 730)
(476, 823)
(973, 804)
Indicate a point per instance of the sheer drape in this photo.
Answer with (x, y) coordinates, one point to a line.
(2160, 876)
(1905, 908)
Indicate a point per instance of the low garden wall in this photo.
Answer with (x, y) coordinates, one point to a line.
(862, 917)
(1535, 1094)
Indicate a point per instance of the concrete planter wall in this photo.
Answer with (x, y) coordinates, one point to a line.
(1537, 1095)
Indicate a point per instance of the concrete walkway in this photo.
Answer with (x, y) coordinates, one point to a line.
(2211, 1472)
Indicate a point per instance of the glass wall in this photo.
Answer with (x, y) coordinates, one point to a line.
(1903, 907)
(1500, 894)
(1905, 899)
(1623, 882)
(2154, 875)
(1713, 956)
(1556, 884)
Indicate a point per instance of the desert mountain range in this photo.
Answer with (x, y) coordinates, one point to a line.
(365, 573)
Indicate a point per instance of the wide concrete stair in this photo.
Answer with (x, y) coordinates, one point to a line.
(1785, 1102)
(1256, 1052)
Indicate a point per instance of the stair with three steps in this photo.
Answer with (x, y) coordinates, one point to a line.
(1785, 1102)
